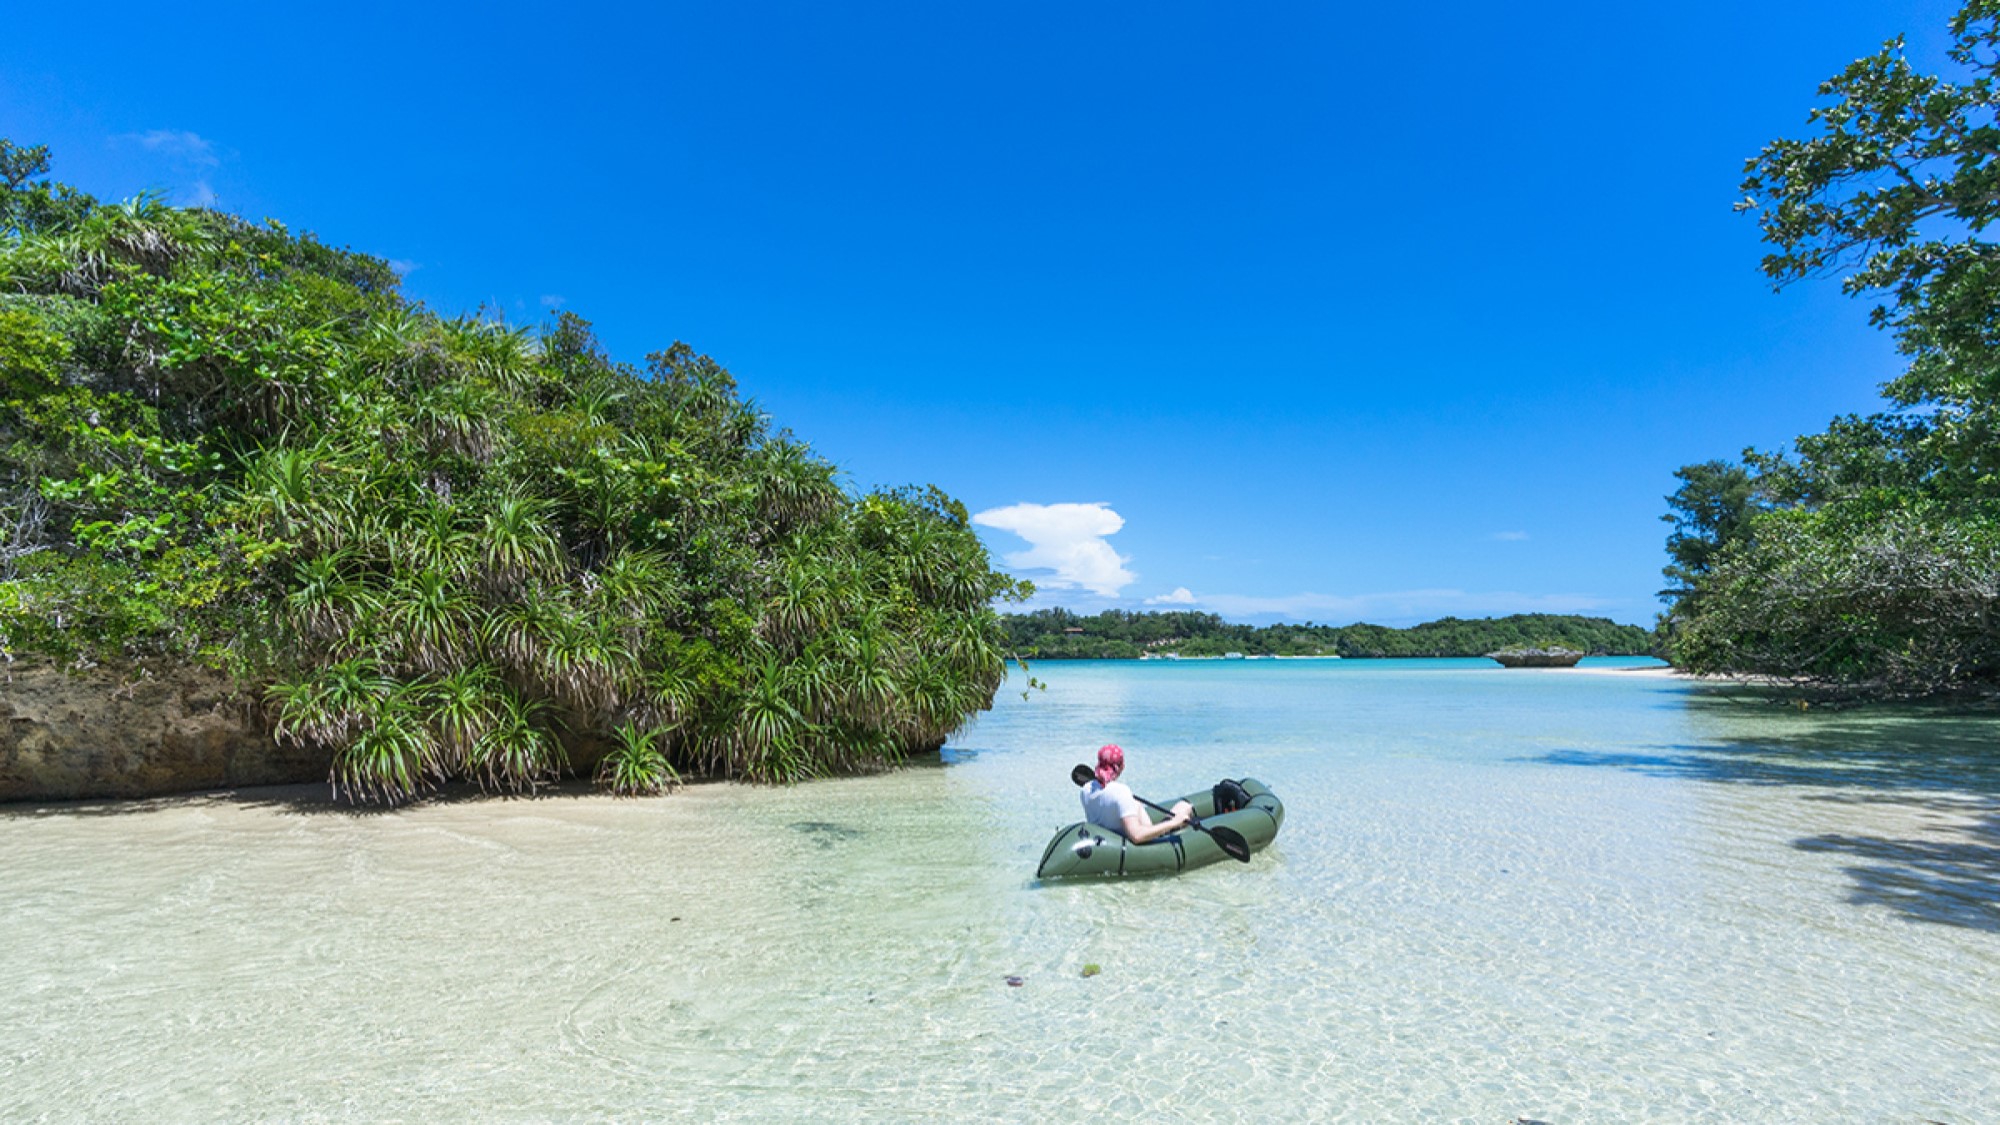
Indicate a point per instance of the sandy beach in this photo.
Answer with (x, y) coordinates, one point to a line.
(1662, 672)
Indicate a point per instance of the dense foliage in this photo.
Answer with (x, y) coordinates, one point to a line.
(1120, 635)
(443, 547)
(1869, 558)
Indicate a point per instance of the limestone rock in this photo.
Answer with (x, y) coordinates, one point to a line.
(136, 732)
(1536, 657)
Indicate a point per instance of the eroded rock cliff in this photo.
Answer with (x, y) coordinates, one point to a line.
(135, 732)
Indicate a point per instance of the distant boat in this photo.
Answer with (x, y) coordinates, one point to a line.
(1232, 656)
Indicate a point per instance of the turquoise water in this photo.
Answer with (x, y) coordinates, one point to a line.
(1565, 896)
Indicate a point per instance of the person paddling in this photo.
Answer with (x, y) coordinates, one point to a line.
(1109, 803)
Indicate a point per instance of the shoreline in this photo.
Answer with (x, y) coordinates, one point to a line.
(1333, 656)
(1646, 671)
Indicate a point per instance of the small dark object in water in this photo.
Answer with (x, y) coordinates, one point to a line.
(676, 918)
(1015, 982)
(824, 834)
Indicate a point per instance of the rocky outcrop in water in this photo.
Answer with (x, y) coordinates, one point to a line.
(1536, 657)
(136, 732)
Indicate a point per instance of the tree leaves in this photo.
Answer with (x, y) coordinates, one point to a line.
(1867, 560)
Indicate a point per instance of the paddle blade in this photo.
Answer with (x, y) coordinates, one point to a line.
(1230, 841)
(1081, 775)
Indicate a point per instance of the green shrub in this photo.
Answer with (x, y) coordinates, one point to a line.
(445, 547)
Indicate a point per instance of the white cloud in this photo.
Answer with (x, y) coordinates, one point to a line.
(201, 195)
(1181, 596)
(180, 144)
(554, 300)
(1067, 542)
(1510, 536)
(404, 267)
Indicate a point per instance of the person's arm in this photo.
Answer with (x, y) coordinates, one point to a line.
(1139, 829)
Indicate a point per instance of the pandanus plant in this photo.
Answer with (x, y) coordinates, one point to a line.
(516, 548)
(503, 358)
(431, 617)
(277, 490)
(869, 666)
(389, 759)
(403, 347)
(634, 592)
(517, 633)
(147, 233)
(794, 487)
(637, 765)
(433, 538)
(333, 704)
(770, 730)
(518, 751)
(584, 665)
(328, 599)
(464, 708)
(142, 234)
(800, 602)
(455, 418)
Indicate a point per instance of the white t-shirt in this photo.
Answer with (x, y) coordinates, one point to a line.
(1107, 806)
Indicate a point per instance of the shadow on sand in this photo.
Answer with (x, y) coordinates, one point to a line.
(316, 799)
(1944, 762)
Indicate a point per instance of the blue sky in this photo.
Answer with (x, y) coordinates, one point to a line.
(1305, 311)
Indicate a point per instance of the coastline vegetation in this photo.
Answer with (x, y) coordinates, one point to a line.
(1058, 634)
(1866, 560)
(443, 547)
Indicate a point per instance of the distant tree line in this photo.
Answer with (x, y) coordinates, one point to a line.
(1058, 634)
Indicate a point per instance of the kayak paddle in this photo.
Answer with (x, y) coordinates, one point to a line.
(1228, 839)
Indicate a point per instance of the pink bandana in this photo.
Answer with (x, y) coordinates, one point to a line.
(1110, 763)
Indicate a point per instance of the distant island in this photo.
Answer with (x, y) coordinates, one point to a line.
(1058, 634)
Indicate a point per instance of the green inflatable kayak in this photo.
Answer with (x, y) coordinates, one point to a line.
(1090, 851)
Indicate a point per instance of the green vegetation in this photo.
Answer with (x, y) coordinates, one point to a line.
(443, 547)
(1119, 635)
(1867, 560)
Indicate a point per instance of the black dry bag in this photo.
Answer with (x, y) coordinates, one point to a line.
(1229, 796)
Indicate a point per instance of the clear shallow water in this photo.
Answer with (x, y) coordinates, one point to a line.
(1498, 894)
